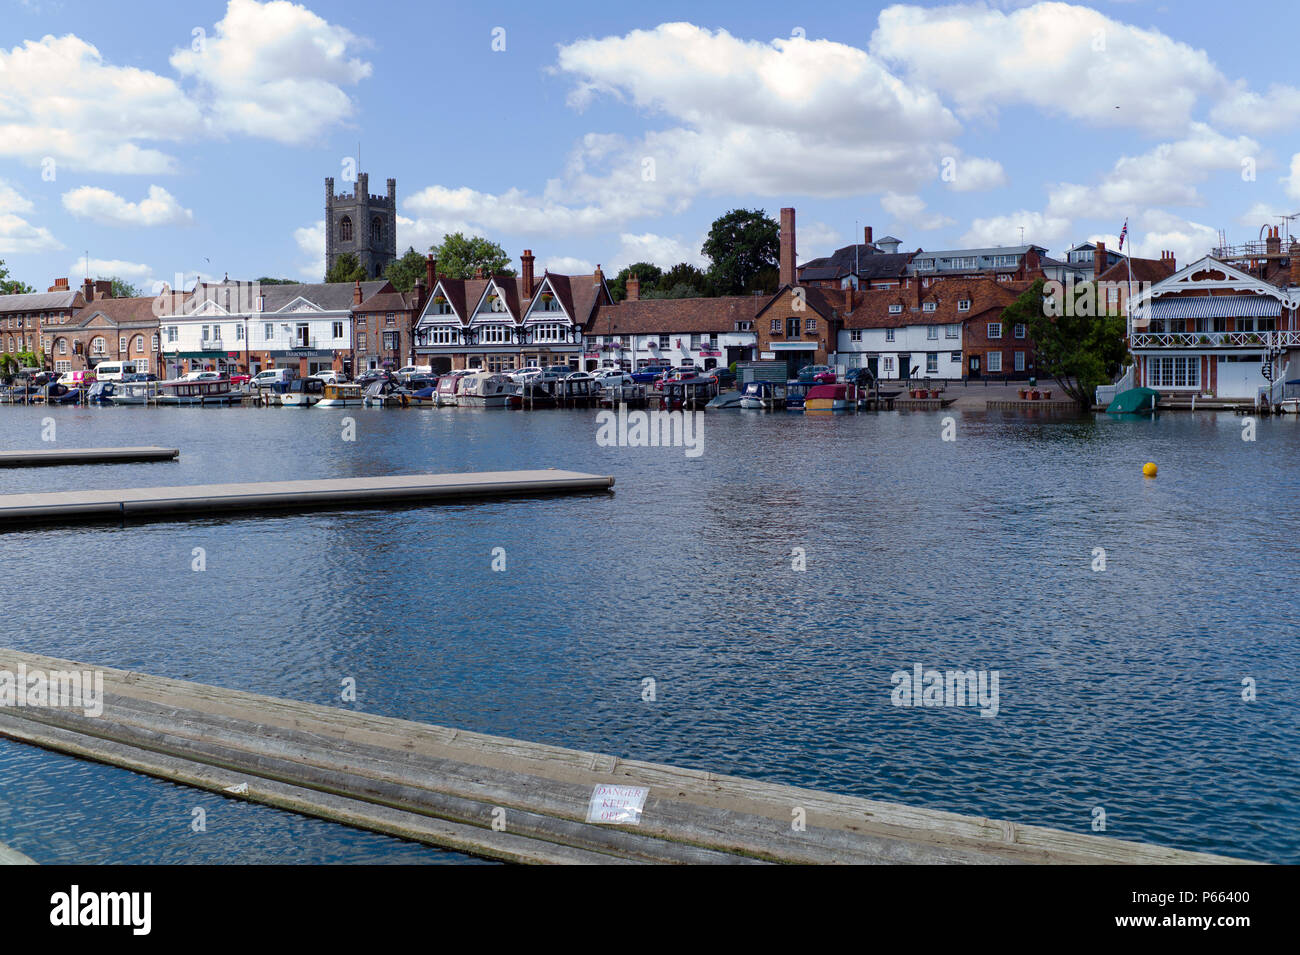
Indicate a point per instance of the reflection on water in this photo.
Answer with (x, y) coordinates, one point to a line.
(1119, 689)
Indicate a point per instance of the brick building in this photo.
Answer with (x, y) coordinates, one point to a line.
(117, 329)
(24, 319)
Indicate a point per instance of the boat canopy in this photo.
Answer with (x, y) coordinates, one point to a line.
(1215, 306)
(1133, 400)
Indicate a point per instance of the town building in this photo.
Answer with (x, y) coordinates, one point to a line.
(232, 327)
(106, 329)
(704, 333)
(1224, 326)
(501, 322)
(361, 224)
(864, 265)
(1002, 263)
(383, 330)
(24, 319)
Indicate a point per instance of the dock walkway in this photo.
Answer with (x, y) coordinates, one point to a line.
(49, 457)
(504, 798)
(155, 503)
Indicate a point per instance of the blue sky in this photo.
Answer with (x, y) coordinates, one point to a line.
(609, 133)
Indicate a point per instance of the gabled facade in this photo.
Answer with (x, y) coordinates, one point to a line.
(503, 322)
(1217, 330)
(26, 319)
(117, 329)
(800, 325)
(704, 333)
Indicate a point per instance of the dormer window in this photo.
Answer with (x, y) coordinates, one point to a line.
(895, 309)
(928, 307)
(963, 305)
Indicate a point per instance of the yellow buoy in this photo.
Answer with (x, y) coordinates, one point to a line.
(1149, 469)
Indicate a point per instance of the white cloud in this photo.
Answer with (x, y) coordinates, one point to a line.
(108, 268)
(1064, 59)
(1292, 181)
(664, 251)
(274, 70)
(62, 101)
(1245, 109)
(1166, 175)
(16, 233)
(1158, 230)
(568, 265)
(1040, 229)
(908, 211)
(311, 242)
(11, 200)
(108, 208)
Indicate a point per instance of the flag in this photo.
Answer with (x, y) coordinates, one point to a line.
(1122, 233)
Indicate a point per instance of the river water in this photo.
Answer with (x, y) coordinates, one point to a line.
(1120, 690)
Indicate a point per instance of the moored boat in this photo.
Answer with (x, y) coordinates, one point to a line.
(1134, 401)
(189, 391)
(485, 389)
(340, 396)
(134, 392)
(763, 395)
(302, 393)
(827, 398)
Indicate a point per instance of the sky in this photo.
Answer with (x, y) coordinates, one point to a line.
(155, 140)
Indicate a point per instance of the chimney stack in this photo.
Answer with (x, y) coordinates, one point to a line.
(866, 235)
(88, 290)
(60, 285)
(787, 276)
(598, 276)
(430, 271)
(526, 262)
(356, 293)
(1295, 262)
(1099, 260)
(633, 288)
(1273, 244)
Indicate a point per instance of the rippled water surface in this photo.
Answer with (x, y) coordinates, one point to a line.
(1120, 689)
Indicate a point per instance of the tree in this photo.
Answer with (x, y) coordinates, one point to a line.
(406, 271)
(1077, 347)
(10, 286)
(647, 273)
(266, 280)
(680, 290)
(684, 274)
(460, 257)
(346, 269)
(741, 246)
(124, 289)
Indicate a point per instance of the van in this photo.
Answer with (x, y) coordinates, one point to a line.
(76, 379)
(114, 370)
(276, 378)
(406, 371)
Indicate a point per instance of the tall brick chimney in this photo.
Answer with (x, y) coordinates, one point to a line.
(526, 262)
(633, 288)
(1273, 243)
(430, 271)
(1168, 256)
(356, 293)
(88, 290)
(866, 235)
(1295, 262)
(598, 277)
(1099, 260)
(787, 247)
(60, 285)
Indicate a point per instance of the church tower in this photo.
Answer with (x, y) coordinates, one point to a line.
(362, 224)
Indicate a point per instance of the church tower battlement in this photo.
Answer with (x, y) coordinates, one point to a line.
(363, 224)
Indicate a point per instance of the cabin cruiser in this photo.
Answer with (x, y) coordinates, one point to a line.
(194, 391)
(763, 395)
(133, 392)
(486, 389)
(340, 395)
(302, 393)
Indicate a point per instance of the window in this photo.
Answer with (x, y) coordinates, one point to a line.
(695, 343)
(377, 230)
(744, 326)
(895, 309)
(993, 361)
(268, 331)
(63, 346)
(1112, 295)
(928, 307)
(487, 334)
(932, 363)
(139, 344)
(955, 356)
(63, 366)
(1020, 361)
(338, 329)
(889, 334)
(172, 332)
(155, 342)
(1175, 372)
(1019, 330)
(345, 229)
(239, 333)
(443, 335)
(302, 335)
(932, 333)
(121, 345)
(664, 342)
(855, 335)
(553, 332)
(995, 330)
(775, 328)
(390, 321)
(98, 346)
(952, 331)
(963, 305)
(390, 341)
(810, 326)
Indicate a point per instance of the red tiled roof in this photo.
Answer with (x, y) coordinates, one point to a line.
(669, 316)
(120, 311)
(1144, 270)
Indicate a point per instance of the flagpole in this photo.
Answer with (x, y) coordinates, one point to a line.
(1128, 303)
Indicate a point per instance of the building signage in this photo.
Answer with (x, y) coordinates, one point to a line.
(710, 353)
(302, 353)
(617, 805)
(767, 355)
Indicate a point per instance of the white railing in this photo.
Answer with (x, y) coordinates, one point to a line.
(1106, 393)
(1283, 339)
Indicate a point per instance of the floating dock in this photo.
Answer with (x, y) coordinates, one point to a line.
(13, 857)
(49, 457)
(156, 503)
(508, 799)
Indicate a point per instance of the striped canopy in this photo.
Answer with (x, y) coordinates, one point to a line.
(1215, 306)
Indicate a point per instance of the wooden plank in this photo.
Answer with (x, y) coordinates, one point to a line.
(49, 457)
(161, 502)
(462, 777)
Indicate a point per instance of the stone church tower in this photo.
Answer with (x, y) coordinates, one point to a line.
(362, 224)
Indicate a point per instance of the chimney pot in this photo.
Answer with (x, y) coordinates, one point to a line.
(633, 288)
(430, 270)
(356, 293)
(866, 235)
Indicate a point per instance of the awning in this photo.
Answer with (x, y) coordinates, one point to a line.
(1215, 306)
(792, 346)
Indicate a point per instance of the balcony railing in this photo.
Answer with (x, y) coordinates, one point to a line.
(211, 344)
(1282, 339)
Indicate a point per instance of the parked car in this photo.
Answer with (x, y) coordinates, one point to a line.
(407, 371)
(201, 376)
(276, 378)
(328, 375)
(860, 376)
(815, 372)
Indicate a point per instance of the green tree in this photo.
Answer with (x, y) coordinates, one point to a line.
(124, 289)
(266, 280)
(647, 273)
(680, 290)
(684, 274)
(406, 271)
(1077, 347)
(10, 286)
(459, 257)
(742, 247)
(346, 269)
